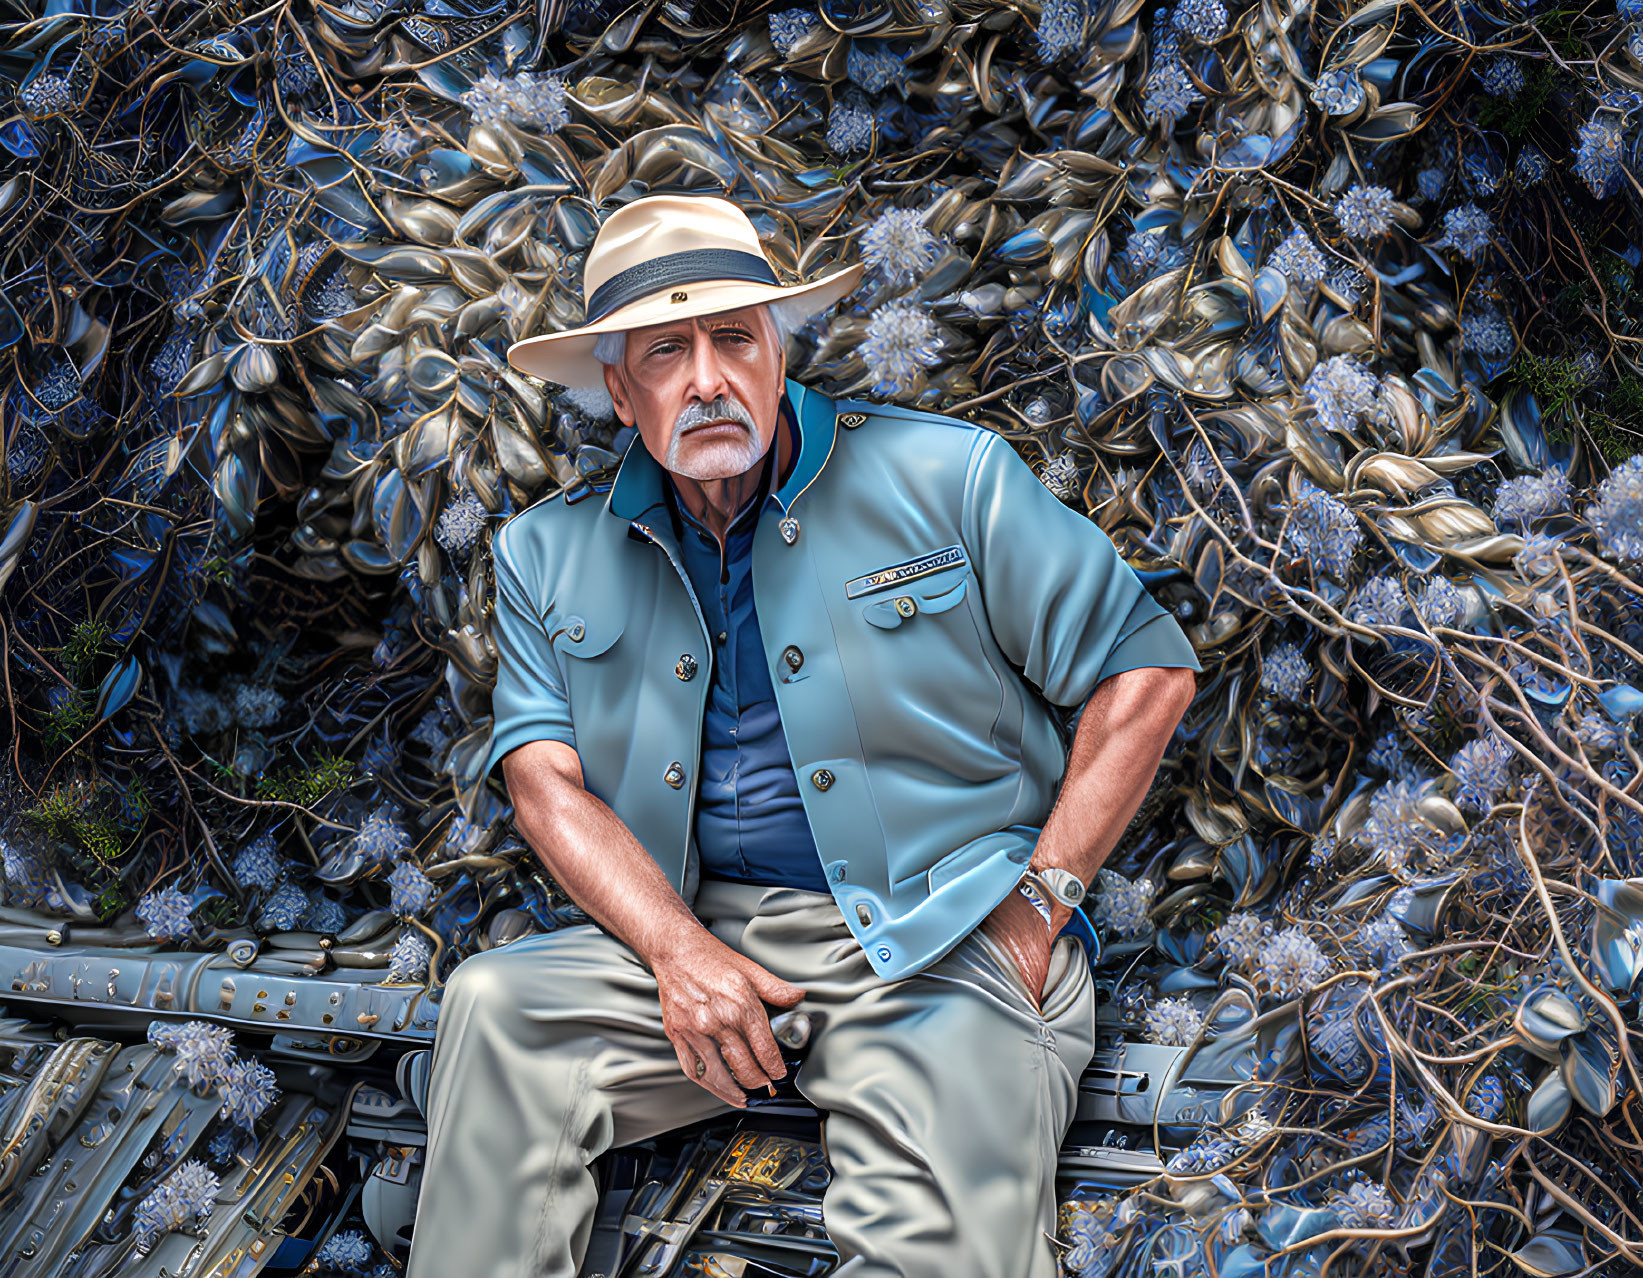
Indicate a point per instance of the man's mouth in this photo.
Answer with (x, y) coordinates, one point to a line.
(723, 421)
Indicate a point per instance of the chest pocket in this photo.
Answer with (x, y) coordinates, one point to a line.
(578, 635)
(924, 690)
(934, 593)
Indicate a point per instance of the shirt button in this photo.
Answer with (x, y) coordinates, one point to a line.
(686, 667)
(792, 656)
(905, 606)
(675, 774)
(576, 632)
(865, 915)
(821, 778)
(836, 874)
(720, 638)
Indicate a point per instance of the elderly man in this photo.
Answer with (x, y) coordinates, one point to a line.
(784, 713)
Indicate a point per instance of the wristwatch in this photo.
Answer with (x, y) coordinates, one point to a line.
(1062, 885)
(1040, 887)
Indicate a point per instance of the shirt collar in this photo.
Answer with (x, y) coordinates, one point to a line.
(638, 487)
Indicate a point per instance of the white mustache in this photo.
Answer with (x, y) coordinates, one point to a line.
(724, 408)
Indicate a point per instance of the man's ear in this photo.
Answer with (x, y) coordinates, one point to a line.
(616, 384)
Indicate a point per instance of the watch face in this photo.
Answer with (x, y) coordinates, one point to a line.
(1064, 883)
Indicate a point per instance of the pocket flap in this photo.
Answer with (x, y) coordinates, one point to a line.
(577, 635)
(933, 594)
(941, 592)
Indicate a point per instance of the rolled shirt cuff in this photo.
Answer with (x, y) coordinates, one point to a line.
(517, 734)
(1158, 642)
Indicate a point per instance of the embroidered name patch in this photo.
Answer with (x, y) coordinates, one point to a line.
(894, 575)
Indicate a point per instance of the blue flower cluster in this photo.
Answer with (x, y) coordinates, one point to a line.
(1365, 211)
(183, 1201)
(536, 102)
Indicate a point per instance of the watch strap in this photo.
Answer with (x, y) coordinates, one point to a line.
(1029, 888)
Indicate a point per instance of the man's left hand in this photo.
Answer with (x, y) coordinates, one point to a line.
(1021, 931)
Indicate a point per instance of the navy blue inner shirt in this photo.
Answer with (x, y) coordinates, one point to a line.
(750, 821)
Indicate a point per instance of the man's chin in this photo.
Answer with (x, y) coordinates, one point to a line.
(714, 459)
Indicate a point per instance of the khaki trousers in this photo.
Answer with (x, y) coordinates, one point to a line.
(945, 1095)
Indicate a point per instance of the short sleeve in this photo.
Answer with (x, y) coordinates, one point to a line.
(1062, 603)
(528, 702)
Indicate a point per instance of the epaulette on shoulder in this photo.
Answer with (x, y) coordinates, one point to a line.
(855, 412)
(542, 504)
(547, 499)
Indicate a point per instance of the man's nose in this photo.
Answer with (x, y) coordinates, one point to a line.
(707, 377)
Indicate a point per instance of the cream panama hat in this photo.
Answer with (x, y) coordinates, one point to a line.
(667, 257)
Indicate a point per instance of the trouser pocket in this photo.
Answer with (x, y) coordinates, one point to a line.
(1068, 979)
(1066, 972)
(1000, 960)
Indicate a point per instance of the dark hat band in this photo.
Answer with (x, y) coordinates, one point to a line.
(689, 267)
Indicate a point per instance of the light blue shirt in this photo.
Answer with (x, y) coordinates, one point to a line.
(929, 612)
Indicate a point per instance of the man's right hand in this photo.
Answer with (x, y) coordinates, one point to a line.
(713, 1010)
(712, 997)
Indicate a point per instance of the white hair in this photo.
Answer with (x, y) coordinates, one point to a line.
(609, 348)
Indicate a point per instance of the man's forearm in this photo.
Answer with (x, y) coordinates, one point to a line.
(1121, 737)
(593, 855)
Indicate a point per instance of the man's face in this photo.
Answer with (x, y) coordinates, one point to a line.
(703, 393)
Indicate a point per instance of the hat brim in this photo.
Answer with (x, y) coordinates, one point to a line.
(567, 357)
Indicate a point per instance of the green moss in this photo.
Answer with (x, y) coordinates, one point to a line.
(67, 718)
(73, 816)
(1447, 728)
(1614, 439)
(1614, 421)
(134, 804)
(217, 568)
(84, 646)
(57, 809)
(109, 902)
(1611, 418)
(100, 835)
(1617, 273)
(1555, 381)
(307, 785)
(1204, 915)
(218, 911)
(1485, 1004)
(1625, 401)
(222, 775)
